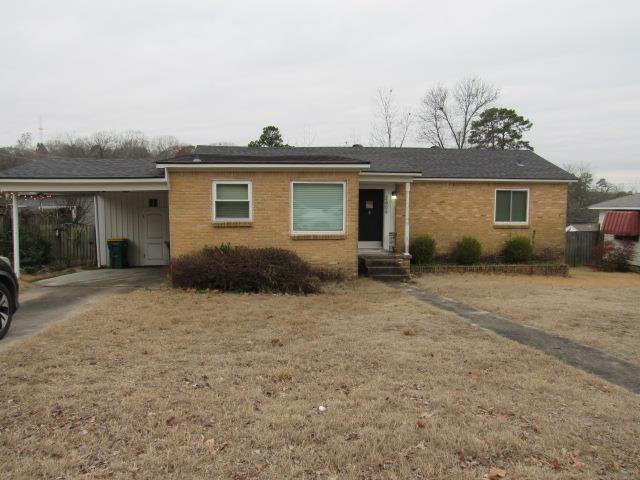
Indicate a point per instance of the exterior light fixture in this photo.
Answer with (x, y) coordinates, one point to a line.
(394, 195)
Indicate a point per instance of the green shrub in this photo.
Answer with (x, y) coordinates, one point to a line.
(35, 251)
(467, 251)
(422, 250)
(243, 269)
(518, 250)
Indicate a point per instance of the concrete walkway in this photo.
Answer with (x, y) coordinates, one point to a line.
(602, 364)
(48, 301)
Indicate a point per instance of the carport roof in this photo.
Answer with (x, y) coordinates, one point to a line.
(84, 168)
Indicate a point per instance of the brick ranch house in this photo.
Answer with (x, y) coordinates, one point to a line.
(325, 203)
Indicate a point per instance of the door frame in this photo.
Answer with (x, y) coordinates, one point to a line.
(165, 234)
(388, 212)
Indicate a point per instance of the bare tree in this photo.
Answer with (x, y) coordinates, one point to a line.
(167, 146)
(101, 144)
(432, 123)
(445, 115)
(24, 142)
(132, 144)
(391, 126)
(80, 207)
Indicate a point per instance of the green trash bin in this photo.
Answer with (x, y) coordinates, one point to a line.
(118, 252)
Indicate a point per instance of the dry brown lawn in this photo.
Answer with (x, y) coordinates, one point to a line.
(598, 309)
(170, 384)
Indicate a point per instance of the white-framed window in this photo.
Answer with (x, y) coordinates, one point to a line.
(512, 206)
(232, 201)
(318, 207)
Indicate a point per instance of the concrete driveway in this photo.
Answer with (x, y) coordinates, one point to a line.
(47, 301)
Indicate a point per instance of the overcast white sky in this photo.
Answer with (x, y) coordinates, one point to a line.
(209, 71)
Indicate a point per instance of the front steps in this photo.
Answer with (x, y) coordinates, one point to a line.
(385, 267)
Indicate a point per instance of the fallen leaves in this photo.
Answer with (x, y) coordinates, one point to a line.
(56, 410)
(408, 331)
(210, 444)
(496, 473)
(171, 421)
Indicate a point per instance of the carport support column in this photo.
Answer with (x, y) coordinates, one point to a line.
(16, 234)
(407, 194)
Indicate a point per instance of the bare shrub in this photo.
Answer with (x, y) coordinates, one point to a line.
(613, 256)
(243, 269)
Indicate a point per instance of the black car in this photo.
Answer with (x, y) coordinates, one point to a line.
(9, 289)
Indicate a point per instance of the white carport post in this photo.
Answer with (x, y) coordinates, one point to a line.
(407, 193)
(16, 234)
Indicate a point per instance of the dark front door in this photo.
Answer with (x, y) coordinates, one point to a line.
(370, 214)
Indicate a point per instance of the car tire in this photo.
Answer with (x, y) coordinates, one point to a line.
(6, 309)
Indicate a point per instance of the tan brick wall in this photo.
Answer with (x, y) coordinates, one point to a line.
(191, 225)
(447, 211)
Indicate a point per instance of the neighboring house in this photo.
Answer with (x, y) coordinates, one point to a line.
(620, 221)
(325, 203)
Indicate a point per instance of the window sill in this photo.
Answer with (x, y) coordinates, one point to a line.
(521, 226)
(318, 236)
(231, 224)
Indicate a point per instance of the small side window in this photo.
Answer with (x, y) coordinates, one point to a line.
(153, 202)
(512, 206)
(231, 201)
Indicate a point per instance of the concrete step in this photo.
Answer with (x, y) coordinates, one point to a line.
(391, 277)
(390, 270)
(380, 262)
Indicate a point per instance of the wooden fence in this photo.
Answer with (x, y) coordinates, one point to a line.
(71, 243)
(580, 247)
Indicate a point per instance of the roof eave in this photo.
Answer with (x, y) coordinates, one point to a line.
(595, 207)
(264, 166)
(494, 180)
(82, 184)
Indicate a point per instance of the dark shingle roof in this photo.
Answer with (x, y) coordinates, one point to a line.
(629, 202)
(295, 158)
(430, 162)
(62, 167)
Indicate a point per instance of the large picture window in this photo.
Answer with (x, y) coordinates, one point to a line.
(512, 206)
(231, 201)
(317, 207)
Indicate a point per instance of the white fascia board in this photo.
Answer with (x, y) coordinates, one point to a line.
(370, 177)
(263, 166)
(81, 184)
(630, 209)
(392, 174)
(492, 180)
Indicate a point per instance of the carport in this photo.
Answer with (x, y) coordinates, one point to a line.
(130, 201)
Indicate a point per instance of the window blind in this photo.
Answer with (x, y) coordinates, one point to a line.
(318, 207)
